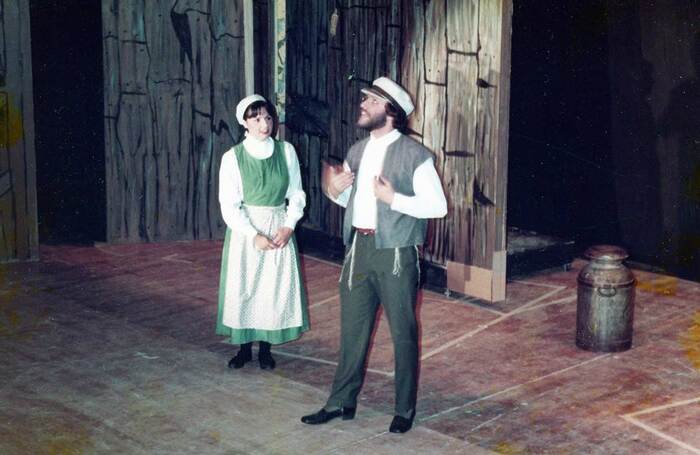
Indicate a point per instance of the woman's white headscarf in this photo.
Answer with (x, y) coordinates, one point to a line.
(243, 105)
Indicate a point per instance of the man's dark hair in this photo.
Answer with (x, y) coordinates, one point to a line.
(399, 116)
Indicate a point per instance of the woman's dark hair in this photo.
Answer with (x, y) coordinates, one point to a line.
(399, 116)
(254, 110)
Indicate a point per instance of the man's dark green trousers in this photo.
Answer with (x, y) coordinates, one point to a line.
(372, 277)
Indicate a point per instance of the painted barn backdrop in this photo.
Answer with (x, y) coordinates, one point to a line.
(454, 58)
(18, 219)
(175, 70)
(173, 75)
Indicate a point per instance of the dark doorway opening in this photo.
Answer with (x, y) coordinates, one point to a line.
(560, 177)
(68, 113)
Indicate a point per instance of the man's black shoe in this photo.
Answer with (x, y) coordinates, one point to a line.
(400, 424)
(322, 416)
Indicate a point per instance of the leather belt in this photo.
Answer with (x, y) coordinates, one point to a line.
(363, 231)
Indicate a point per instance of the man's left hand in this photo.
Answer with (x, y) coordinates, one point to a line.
(383, 190)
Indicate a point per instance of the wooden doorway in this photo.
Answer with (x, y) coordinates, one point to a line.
(454, 58)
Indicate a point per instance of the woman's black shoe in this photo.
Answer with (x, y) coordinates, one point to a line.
(266, 360)
(324, 416)
(265, 357)
(244, 355)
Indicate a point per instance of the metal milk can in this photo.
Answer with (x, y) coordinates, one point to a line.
(605, 305)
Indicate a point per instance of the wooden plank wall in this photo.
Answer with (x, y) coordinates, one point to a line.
(453, 56)
(18, 210)
(333, 50)
(262, 47)
(173, 74)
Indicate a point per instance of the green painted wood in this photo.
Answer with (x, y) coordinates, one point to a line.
(19, 236)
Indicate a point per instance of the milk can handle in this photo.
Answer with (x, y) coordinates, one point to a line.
(607, 291)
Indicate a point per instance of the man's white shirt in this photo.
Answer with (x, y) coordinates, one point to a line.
(427, 202)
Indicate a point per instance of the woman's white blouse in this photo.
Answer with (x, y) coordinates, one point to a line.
(231, 186)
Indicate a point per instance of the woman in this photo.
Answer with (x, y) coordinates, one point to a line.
(261, 296)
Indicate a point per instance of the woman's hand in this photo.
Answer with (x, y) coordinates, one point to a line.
(282, 237)
(263, 243)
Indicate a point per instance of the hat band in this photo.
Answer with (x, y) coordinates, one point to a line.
(388, 97)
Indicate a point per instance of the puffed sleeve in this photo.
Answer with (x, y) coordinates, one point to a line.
(231, 196)
(295, 193)
(429, 199)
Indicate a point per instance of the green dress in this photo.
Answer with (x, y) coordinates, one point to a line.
(261, 294)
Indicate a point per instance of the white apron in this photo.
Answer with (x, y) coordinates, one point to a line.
(262, 289)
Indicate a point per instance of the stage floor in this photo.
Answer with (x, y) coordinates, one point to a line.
(111, 349)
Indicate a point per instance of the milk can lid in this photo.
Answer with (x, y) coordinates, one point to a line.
(606, 253)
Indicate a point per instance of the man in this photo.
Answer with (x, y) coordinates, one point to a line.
(389, 187)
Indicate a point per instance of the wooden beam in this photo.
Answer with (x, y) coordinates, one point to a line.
(19, 239)
(248, 49)
(279, 59)
(485, 284)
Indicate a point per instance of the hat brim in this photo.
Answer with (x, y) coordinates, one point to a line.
(373, 93)
(379, 93)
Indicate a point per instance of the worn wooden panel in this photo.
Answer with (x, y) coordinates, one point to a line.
(3, 47)
(490, 146)
(227, 55)
(378, 43)
(412, 62)
(434, 139)
(201, 175)
(357, 69)
(334, 49)
(462, 24)
(322, 19)
(173, 74)
(171, 145)
(172, 61)
(279, 58)
(462, 94)
(435, 55)
(313, 170)
(336, 85)
(133, 134)
(18, 210)
(458, 174)
(501, 131)
(394, 39)
(453, 58)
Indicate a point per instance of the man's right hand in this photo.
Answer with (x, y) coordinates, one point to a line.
(335, 180)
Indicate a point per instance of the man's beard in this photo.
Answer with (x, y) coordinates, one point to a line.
(372, 123)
